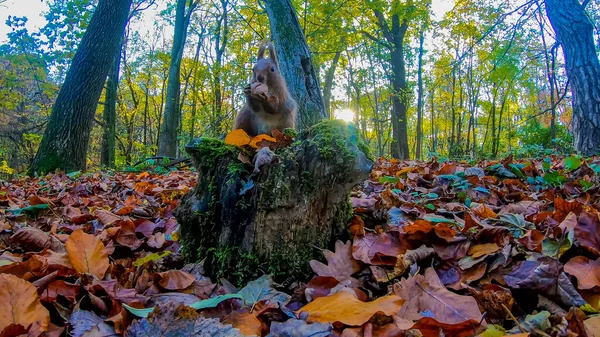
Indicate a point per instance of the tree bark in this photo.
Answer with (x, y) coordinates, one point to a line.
(167, 141)
(329, 82)
(246, 224)
(575, 33)
(420, 98)
(295, 62)
(66, 138)
(107, 157)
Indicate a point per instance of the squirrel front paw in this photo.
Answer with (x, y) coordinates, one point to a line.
(259, 91)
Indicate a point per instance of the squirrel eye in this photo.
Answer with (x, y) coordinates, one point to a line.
(272, 69)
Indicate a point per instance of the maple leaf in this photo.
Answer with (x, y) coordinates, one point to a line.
(585, 270)
(21, 304)
(346, 308)
(87, 254)
(426, 293)
(340, 264)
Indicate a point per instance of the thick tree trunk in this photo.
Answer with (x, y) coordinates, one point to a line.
(65, 142)
(247, 224)
(575, 33)
(295, 62)
(107, 156)
(167, 141)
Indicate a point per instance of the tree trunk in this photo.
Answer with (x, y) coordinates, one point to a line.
(107, 157)
(329, 82)
(247, 224)
(295, 62)
(576, 35)
(65, 142)
(167, 141)
(420, 98)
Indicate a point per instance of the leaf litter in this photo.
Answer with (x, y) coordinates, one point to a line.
(498, 248)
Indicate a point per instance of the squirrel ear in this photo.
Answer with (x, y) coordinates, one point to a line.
(261, 50)
(273, 54)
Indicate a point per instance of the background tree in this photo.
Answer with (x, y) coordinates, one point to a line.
(65, 141)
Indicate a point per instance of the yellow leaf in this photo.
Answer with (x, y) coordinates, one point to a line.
(238, 137)
(260, 138)
(346, 308)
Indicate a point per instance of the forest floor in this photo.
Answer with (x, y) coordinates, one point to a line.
(439, 249)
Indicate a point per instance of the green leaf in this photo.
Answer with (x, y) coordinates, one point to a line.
(29, 210)
(516, 223)
(74, 175)
(437, 219)
(213, 302)
(482, 190)
(387, 179)
(468, 202)
(589, 309)
(586, 184)
(555, 178)
(493, 330)
(572, 163)
(143, 313)
(432, 196)
(430, 206)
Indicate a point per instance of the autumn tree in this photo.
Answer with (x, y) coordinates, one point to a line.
(575, 32)
(65, 141)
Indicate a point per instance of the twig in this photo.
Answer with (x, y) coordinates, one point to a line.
(513, 318)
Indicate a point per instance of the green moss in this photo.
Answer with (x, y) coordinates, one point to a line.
(211, 149)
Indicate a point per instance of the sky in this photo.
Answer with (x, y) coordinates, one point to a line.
(33, 10)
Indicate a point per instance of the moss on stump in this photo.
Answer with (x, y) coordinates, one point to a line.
(296, 203)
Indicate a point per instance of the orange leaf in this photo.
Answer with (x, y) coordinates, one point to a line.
(244, 321)
(238, 137)
(21, 304)
(124, 210)
(87, 254)
(262, 141)
(483, 211)
(430, 327)
(346, 308)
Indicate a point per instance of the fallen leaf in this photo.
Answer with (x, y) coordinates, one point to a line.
(585, 270)
(430, 327)
(238, 137)
(587, 232)
(299, 328)
(86, 253)
(261, 289)
(107, 218)
(340, 264)
(346, 308)
(21, 304)
(427, 293)
(484, 249)
(262, 141)
(127, 235)
(175, 280)
(244, 321)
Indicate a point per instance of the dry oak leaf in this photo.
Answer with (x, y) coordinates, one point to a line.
(237, 137)
(21, 304)
(585, 270)
(427, 293)
(87, 254)
(340, 264)
(175, 279)
(346, 308)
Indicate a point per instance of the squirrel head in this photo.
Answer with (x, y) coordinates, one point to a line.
(266, 70)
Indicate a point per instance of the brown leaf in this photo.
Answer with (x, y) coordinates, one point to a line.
(59, 287)
(532, 240)
(484, 249)
(482, 211)
(430, 327)
(377, 249)
(33, 239)
(86, 253)
(587, 232)
(244, 321)
(21, 304)
(127, 236)
(340, 264)
(426, 292)
(107, 218)
(593, 325)
(410, 257)
(585, 270)
(175, 279)
(346, 308)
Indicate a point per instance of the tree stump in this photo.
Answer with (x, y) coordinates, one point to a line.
(244, 225)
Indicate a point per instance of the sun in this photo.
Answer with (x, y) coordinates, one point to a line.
(344, 114)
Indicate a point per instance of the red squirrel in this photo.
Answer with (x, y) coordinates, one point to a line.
(268, 102)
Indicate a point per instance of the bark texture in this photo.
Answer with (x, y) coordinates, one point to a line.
(167, 141)
(65, 141)
(109, 117)
(295, 62)
(575, 33)
(246, 225)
